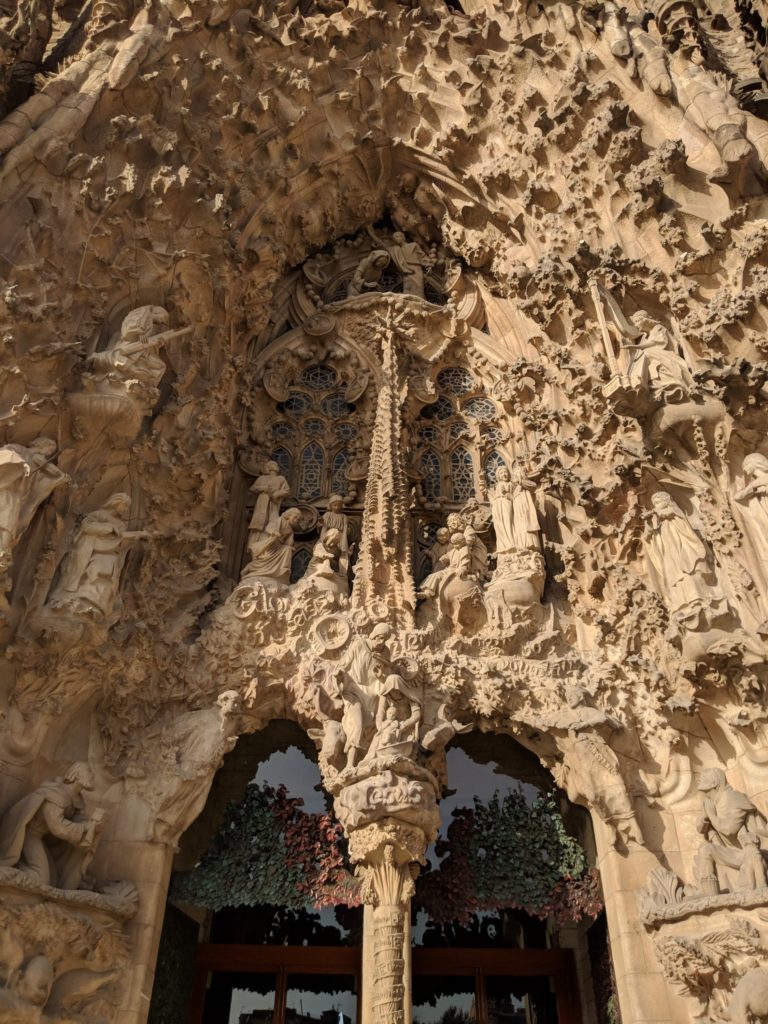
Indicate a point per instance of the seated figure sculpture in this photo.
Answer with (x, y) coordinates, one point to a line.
(271, 550)
(732, 828)
(54, 811)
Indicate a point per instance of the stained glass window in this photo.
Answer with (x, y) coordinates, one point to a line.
(431, 483)
(442, 409)
(299, 563)
(345, 431)
(456, 381)
(313, 427)
(311, 472)
(458, 430)
(493, 463)
(480, 408)
(282, 430)
(296, 404)
(428, 434)
(318, 378)
(492, 435)
(335, 405)
(283, 459)
(338, 472)
(462, 474)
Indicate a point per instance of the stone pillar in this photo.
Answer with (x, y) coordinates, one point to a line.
(148, 864)
(387, 855)
(644, 993)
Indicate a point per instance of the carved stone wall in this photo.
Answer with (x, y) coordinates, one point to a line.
(397, 371)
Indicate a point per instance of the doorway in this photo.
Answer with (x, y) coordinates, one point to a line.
(246, 984)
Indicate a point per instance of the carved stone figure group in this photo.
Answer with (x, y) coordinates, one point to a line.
(271, 537)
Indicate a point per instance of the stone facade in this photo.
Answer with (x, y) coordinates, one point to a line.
(398, 371)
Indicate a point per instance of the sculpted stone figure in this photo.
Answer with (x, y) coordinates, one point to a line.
(271, 550)
(679, 561)
(397, 723)
(441, 547)
(324, 566)
(23, 1002)
(334, 519)
(189, 749)
(732, 827)
(755, 497)
(90, 574)
(367, 276)
(514, 514)
(478, 552)
(411, 260)
(749, 1001)
(271, 489)
(590, 772)
(365, 665)
(455, 564)
(652, 362)
(132, 356)
(27, 477)
(52, 812)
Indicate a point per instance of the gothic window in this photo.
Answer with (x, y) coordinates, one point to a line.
(456, 381)
(462, 474)
(283, 459)
(311, 472)
(296, 404)
(493, 464)
(480, 408)
(335, 405)
(428, 434)
(318, 378)
(442, 409)
(431, 483)
(338, 472)
(313, 427)
(459, 429)
(299, 563)
(282, 430)
(345, 431)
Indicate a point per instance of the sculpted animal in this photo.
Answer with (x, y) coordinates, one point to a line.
(749, 1002)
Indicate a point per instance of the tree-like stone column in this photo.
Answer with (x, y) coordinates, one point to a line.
(387, 855)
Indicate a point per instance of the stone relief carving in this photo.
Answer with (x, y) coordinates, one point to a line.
(89, 577)
(52, 812)
(121, 386)
(631, 154)
(732, 829)
(28, 476)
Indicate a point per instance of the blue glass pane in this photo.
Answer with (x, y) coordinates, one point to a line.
(456, 381)
(283, 459)
(338, 472)
(299, 563)
(345, 431)
(296, 404)
(335, 405)
(318, 378)
(492, 465)
(462, 474)
(282, 430)
(480, 408)
(311, 472)
(431, 483)
(458, 430)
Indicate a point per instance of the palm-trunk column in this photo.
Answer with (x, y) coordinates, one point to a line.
(387, 855)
